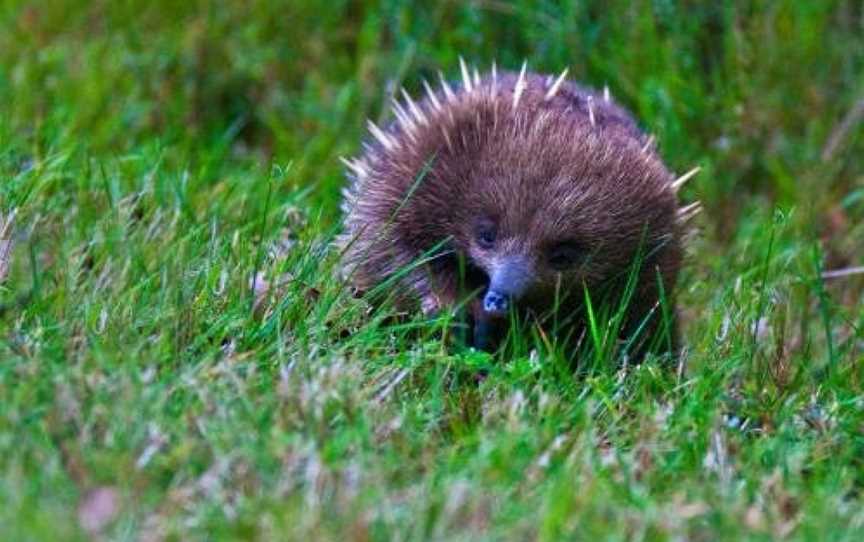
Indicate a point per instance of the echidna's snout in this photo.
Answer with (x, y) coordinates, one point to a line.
(508, 280)
(496, 303)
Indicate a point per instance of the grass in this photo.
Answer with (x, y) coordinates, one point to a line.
(159, 155)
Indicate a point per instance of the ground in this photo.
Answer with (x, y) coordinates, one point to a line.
(156, 156)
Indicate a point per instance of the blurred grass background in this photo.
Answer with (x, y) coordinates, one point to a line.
(159, 154)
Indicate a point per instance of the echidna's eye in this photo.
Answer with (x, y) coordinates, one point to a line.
(565, 255)
(486, 233)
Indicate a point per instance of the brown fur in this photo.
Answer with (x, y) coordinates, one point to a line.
(573, 167)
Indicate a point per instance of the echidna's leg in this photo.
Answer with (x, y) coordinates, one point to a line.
(438, 293)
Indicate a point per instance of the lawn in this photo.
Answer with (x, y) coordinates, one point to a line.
(157, 156)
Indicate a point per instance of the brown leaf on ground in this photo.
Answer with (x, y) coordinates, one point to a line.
(834, 228)
(98, 509)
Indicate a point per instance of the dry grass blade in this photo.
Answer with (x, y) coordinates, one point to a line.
(842, 131)
(6, 223)
(846, 272)
(381, 395)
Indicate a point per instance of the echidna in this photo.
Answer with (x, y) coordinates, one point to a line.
(528, 192)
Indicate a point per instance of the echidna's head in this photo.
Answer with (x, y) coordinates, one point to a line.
(541, 187)
(557, 207)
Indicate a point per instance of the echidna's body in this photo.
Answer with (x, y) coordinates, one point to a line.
(523, 190)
